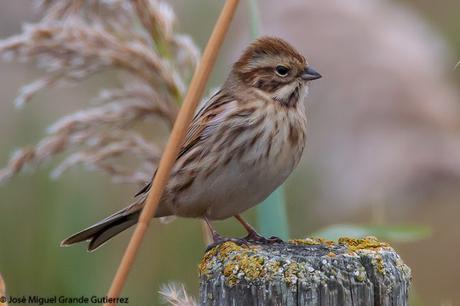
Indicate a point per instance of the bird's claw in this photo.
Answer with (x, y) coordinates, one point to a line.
(252, 237)
(255, 237)
(219, 240)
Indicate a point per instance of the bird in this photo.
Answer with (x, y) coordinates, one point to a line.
(242, 143)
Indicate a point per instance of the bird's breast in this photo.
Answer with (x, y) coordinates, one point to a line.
(245, 160)
(258, 163)
(282, 139)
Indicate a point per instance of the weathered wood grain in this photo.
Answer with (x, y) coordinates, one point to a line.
(305, 272)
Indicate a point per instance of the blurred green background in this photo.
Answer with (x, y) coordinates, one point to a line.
(38, 212)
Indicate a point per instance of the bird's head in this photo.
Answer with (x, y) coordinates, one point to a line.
(276, 68)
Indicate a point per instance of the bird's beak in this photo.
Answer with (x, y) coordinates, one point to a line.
(310, 74)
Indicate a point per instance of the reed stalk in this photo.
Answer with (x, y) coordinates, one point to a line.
(168, 159)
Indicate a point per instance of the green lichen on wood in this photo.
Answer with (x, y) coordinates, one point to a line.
(309, 261)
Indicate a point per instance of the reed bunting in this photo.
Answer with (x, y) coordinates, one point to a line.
(241, 145)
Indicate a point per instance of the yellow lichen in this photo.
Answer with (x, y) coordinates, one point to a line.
(230, 272)
(270, 268)
(236, 259)
(229, 269)
(251, 267)
(379, 264)
(250, 263)
(291, 273)
(221, 252)
(225, 249)
(367, 243)
(312, 241)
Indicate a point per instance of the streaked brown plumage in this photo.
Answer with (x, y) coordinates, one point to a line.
(242, 144)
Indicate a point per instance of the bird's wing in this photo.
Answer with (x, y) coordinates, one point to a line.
(201, 126)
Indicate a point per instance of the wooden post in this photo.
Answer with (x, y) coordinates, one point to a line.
(305, 272)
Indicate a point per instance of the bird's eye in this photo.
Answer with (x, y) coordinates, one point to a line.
(282, 70)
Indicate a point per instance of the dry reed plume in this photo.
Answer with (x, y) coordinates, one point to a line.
(75, 39)
(175, 294)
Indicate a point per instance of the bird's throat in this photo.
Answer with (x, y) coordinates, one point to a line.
(289, 94)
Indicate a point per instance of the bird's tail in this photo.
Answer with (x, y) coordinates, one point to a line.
(102, 231)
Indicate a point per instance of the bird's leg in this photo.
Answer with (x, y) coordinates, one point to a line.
(248, 227)
(218, 239)
(253, 235)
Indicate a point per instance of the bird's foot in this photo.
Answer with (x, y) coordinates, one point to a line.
(253, 236)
